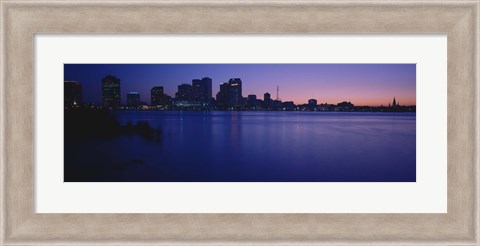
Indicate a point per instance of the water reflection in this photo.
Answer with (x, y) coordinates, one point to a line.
(251, 146)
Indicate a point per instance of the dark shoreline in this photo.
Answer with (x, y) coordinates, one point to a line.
(406, 109)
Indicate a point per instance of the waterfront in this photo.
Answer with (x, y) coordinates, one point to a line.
(218, 146)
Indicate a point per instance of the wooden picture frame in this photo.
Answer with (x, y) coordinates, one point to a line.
(21, 20)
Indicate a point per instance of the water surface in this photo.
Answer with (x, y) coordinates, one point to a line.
(252, 147)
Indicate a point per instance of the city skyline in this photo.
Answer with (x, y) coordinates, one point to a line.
(362, 84)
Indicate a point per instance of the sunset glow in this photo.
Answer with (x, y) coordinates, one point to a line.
(361, 84)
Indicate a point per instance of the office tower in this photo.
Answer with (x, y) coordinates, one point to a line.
(111, 91)
(208, 88)
(133, 99)
(72, 92)
(312, 103)
(156, 95)
(222, 95)
(235, 97)
(184, 93)
(202, 89)
(196, 89)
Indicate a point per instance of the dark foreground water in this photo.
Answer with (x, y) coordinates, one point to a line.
(252, 147)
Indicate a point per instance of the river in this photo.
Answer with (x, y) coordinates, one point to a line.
(248, 146)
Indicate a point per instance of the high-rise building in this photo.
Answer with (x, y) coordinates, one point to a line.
(72, 92)
(235, 97)
(202, 89)
(111, 91)
(184, 93)
(133, 99)
(157, 96)
(208, 88)
(196, 89)
(222, 95)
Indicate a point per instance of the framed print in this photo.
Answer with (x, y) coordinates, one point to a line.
(241, 160)
(226, 122)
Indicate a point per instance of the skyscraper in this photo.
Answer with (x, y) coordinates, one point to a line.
(202, 89)
(156, 95)
(72, 94)
(208, 88)
(222, 95)
(111, 91)
(235, 97)
(196, 88)
(184, 93)
(133, 99)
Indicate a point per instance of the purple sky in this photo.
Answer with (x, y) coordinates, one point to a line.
(362, 84)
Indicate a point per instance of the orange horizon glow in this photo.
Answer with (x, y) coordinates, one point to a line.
(356, 102)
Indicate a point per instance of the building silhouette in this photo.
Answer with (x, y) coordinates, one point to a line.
(345, 106)
(158, 97)
(184, 93)
(133, 99)
(312, 102)
(222, 95)
(72, 91)
(230, 94)
(252, 101)
(288, 105)
(187, 97)
(267, 100)
(198, 96)
(395, 106)
(202, 89)
(111, 91)
(235, 97)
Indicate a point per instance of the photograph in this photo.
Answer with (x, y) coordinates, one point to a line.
(239, 122)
